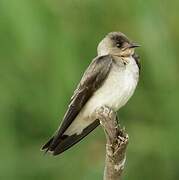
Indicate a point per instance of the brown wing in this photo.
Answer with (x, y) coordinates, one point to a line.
(91, 80)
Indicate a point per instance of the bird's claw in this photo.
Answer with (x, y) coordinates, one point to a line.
(105, 111)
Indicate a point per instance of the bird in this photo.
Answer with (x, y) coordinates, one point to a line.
(110, 80)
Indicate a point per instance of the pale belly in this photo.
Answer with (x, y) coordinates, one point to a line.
(114, 93)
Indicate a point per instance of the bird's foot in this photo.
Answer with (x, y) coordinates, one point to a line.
(105, 112)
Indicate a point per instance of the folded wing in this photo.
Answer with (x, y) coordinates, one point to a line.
(92, 79)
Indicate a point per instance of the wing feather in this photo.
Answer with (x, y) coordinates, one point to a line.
(92, 79)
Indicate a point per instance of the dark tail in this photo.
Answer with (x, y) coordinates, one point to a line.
(57, 145)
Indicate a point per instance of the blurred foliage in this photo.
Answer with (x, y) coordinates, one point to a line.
(45, 46)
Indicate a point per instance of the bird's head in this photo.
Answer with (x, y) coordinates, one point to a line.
(116, 43)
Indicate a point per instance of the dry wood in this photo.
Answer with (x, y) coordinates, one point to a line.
(117, 141)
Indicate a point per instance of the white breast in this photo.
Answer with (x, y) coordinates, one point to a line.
(117, 89)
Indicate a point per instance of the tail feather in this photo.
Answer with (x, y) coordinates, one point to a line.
(47, 145)
(64, 142)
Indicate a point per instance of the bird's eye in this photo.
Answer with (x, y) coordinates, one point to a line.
(119, 44)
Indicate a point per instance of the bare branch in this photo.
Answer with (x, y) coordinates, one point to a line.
(117, 141)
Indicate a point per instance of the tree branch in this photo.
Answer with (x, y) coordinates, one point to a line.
(117, 141)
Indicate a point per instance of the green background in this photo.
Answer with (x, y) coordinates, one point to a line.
(45, 46)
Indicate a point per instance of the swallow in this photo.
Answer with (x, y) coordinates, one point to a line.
(110, 80)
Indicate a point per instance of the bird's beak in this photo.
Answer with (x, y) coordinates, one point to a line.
(133, 45)
(130, 46)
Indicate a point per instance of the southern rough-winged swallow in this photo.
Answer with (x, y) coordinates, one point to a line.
(110, 80)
